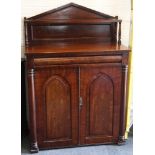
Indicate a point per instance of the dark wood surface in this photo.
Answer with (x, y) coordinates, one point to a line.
(70, 22)
(77, 21)
(76, 78)
(85, 47)
(101, 92)
(59, 32)
(57, 106)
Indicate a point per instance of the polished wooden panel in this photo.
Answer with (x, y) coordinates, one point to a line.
(100, 106)
(76, 60)
(57, 106)
(70, 22)
(76, 48)
(59, 32)
(100, 90)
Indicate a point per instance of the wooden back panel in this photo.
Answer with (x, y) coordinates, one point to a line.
(70, 22)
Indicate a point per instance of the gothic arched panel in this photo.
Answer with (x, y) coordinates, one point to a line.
(100, 104)
(58, 112)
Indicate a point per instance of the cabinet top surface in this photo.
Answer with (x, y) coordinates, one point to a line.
(76, 47)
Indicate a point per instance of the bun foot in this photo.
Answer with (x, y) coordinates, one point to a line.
(34, 148)
(121, 140)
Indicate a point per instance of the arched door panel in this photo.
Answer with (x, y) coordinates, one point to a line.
(57, 106)
(100, 91)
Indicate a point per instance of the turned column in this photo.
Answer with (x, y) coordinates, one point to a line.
(123, 105)
(32, 111)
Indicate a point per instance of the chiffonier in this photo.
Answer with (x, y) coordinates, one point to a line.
(76, 70)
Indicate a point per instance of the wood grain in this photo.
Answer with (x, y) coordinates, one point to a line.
(57, 106)
(70, 22)
(100, 106)
(101, 103)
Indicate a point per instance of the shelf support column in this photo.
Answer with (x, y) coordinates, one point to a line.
(119, 33)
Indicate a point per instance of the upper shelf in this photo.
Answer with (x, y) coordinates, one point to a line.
(71, 22)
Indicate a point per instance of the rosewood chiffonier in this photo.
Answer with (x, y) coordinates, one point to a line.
(76, 78)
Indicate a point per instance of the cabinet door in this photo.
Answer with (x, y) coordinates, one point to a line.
(56, 91)
(101, 97)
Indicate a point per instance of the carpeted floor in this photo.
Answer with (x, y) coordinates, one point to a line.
(90, 150)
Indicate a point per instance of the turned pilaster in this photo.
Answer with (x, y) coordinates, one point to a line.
(121, 139)
(32, 111)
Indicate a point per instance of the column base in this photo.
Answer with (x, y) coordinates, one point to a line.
(34, 148)
(121, 140)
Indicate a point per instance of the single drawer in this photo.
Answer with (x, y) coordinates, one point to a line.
(77, 60)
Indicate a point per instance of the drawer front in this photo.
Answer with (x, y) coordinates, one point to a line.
(76, 60)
